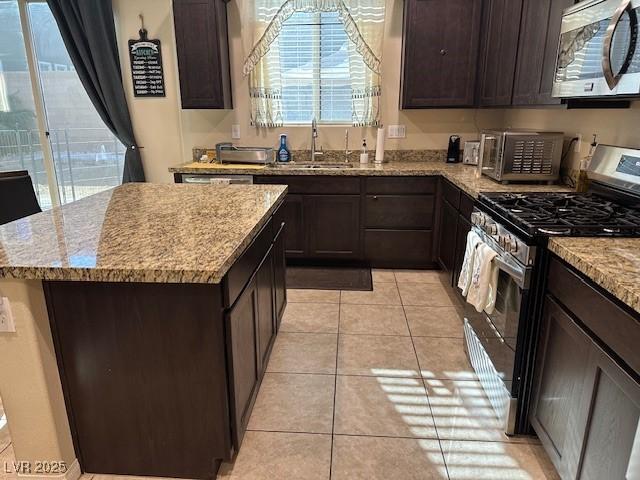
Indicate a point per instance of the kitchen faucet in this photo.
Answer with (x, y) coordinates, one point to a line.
(314, 135)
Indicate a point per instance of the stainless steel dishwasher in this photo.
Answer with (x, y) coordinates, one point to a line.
(205, 179)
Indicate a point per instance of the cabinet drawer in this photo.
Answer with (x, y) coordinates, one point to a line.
(399, 248)
(399, 211)
(451, 194)
(401, 185)
(242, 270)
(609, 322)
(313, 184)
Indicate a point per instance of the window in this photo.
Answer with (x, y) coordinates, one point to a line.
(56, 134)
(315, 69)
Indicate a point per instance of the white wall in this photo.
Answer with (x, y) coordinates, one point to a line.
(614, 127)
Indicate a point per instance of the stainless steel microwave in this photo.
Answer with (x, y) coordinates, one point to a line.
(520, 155)
(598, 55)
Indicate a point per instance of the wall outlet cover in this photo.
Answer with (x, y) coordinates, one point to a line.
(235, 132)
(397, 131)
(6, 317)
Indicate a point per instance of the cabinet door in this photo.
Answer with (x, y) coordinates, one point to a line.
(501, 27)
(242, 323)
(333, 226)
(203, 53)
(280, 274)
(266, 311)
(538, 51)
(562, 370)
(440, 51)
(447, 240)
(611, 441)
(293, 213)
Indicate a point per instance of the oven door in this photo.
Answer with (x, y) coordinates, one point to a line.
(598, 54)
(491, 339)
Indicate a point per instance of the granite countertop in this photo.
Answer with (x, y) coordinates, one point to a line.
(612, 263)
(464, 176)
(140, 233)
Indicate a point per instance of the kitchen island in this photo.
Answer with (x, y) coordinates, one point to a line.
(144, 319)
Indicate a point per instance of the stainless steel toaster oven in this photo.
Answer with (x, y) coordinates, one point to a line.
(521, 155)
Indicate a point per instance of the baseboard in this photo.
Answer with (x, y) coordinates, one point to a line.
(73, 473)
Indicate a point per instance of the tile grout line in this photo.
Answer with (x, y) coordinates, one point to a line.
(335, 388)
(424, 385)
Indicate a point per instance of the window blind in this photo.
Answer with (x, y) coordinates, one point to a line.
(319, 69)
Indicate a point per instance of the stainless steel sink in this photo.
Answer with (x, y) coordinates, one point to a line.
(310, 166)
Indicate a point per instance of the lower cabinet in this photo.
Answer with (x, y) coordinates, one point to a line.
(586, 405)
(244, 361)
(377, 221)
(280, 276)
(447, 240)
(294, 217)
(266, 308)
(455, 224)
(333, 226)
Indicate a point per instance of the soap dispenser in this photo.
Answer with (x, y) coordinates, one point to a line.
(284, 155)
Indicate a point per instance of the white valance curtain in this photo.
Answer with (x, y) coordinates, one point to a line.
(364, 25)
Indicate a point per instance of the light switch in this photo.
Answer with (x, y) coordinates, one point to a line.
(397, 131)
(235, 132)
(6, 318)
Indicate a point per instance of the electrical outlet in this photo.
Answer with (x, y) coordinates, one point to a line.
(397, 131)
(578, 144)
(235, 132)
(6, 318)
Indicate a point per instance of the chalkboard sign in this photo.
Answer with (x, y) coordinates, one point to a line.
(146, 67)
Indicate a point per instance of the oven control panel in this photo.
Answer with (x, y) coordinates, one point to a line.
(506, 241)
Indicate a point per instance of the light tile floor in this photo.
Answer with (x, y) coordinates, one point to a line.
(374, 385)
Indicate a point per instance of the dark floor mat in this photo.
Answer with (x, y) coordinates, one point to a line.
(330, 278)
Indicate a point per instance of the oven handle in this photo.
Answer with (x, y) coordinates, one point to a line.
(611, 78)
(520, 276)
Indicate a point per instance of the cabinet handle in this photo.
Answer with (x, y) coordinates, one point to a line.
(443, 52)
(375, 197)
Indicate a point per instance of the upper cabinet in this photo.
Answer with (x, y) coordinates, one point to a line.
(499, 51)
(537, 51)
(440, 53)
(487, 53)
(203, 53)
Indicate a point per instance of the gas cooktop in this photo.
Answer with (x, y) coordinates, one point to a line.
(565, 214)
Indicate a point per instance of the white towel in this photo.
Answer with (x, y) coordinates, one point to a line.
(464, 281)
(482, 278)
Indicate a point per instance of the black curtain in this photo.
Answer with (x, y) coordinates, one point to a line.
(88, 31)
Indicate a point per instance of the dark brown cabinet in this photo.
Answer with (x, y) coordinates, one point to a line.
(499, 50)
(455, 223)
(206, 346)
(293, 209)
(280, 276)
(440, 52)
(537, 51)
(586, 404)
(266, 308)
(203, 53)
(379, 221)
(333, 226)
(564, 352)
(244, 364)
(447, 240)
(490, 53)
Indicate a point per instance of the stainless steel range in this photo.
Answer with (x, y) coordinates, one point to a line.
(502, 345)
